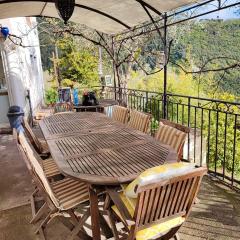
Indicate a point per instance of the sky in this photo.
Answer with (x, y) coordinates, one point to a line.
(228, 13)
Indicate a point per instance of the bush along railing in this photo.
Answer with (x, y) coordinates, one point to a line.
(214, 139)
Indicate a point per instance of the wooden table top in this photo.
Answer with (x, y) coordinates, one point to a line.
(72, 123)
(96, 149)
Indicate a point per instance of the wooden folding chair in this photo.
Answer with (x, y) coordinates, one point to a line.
(139, 121)
(172, 134)
(120, 114)
(159, 210)
(40, 145)
(63, 107)
(52, 173)
(61, 197)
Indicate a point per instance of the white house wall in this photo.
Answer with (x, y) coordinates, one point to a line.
(23, 68)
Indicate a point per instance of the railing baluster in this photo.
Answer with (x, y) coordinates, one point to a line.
(189, 124)
(225, 143)
(177, 113)
(234, 149)
(201, 153)
(195, 133)
(216, 142)
(182, 114)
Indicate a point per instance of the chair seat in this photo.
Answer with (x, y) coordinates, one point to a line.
(158, 230)
(50, 168)
(152, 232)
(70, 192)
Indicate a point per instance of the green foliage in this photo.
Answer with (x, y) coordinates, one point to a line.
(178, 83)
(213, 44)
(51, 96)
(77, 66)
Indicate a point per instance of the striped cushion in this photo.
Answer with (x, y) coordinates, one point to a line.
(171, 136)
(50, 168)
(139, 121)
(120, 114)
(70, 193)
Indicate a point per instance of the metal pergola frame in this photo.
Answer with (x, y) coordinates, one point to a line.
(164, 19)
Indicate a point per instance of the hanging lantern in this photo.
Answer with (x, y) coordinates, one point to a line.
(65, 9)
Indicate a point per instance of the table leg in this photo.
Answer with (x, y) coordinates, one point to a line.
(94, 213)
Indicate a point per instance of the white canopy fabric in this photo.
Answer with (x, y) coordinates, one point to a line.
(108, 16)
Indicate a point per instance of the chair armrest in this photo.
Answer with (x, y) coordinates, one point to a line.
(114, 196)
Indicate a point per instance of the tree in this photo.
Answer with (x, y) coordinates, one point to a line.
(77, 65)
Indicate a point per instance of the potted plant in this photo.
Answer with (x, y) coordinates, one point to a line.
(51, 97)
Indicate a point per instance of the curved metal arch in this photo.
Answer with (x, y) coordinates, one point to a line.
(143, 3)
(77, 5)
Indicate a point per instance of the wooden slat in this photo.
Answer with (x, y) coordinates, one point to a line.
(173, 188)
(149, 206)
(186, 201)
(185, 194)
(175, 198)
(165, 200)
(144, 209)
(155, 203)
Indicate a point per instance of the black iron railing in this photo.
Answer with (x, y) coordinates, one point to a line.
(214, 139)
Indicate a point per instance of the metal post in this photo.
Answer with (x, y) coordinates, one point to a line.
(114, 70)
(165, 68)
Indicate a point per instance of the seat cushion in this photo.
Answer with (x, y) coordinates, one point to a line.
(130, 204)
(156, 174)
(159, 230)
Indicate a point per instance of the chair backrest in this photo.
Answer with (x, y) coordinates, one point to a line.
(178, 126)
(63, 107)
(120, 114)
(33, 138)
(165, 200)
(139, 121)
(171, 136)
(37, 169)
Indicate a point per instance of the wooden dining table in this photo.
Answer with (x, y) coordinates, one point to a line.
(93, 148)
